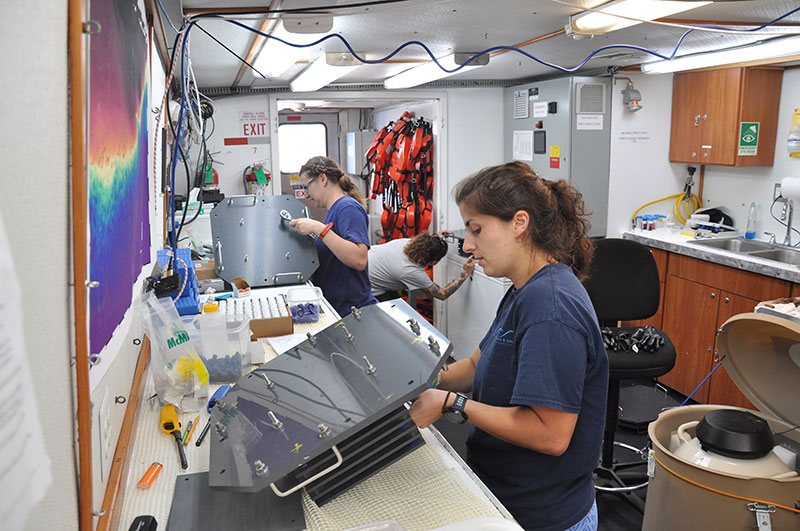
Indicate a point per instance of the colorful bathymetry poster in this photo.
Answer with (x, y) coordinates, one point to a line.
(119, 230)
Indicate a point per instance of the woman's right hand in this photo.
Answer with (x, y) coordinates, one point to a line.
(427, 407)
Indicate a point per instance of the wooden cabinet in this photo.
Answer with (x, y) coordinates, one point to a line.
(700, 297)
(708, 108)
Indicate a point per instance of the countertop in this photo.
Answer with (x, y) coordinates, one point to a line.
(675, 242)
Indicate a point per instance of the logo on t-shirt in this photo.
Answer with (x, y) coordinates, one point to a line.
(504, 338)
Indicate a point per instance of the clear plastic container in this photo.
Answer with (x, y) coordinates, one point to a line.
(304, 303)
(224, 346)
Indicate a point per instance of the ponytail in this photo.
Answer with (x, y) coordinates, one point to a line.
(318, 165)
(558, 217)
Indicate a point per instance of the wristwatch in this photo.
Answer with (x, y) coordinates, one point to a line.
(456, 413)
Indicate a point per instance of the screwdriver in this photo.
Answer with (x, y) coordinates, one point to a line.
(171, 426)
(213, 400)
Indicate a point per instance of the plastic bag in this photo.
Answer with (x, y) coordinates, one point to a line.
(177, 369)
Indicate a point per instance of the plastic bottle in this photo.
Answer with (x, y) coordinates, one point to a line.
(750, 233)
(213, 332)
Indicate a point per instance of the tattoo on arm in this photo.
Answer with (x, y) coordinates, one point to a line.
(442, 293)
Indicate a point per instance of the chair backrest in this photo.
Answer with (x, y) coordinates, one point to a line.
(623, 281)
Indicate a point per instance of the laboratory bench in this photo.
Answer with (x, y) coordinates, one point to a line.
(701, 288)
(428, 488)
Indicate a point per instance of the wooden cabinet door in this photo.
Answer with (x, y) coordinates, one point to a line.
(722, 390)
(718, 131)
(690, 319)
(687, 103)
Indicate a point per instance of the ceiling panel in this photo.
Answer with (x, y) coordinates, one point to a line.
(469, 25)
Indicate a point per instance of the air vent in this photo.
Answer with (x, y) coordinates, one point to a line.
(590, 98)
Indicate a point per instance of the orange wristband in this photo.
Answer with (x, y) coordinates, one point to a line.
(326, 229)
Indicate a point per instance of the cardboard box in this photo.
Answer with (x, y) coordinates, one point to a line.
(204, 269)
(275, 326)
(240, 287)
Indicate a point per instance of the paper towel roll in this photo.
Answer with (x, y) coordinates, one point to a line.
(790, 187)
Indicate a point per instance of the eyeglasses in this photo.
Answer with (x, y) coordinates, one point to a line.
(305, 186)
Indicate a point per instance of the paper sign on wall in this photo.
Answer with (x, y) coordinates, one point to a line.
(540, 109)
(555, 162)
(555, 151)
(589, 121)
(253, 123)
(523, 145)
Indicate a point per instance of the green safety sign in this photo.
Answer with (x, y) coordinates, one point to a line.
(748, 138)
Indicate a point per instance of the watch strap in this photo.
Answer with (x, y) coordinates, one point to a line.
(326, 229)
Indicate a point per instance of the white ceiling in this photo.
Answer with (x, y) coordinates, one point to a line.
(446, 26)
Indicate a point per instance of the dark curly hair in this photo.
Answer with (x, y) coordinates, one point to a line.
(559, 222)
(319, 165)
(425, 249)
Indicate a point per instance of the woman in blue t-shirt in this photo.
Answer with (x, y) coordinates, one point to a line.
(540, 375)
(343, 240)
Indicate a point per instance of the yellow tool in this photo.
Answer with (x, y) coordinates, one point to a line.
(171, 426)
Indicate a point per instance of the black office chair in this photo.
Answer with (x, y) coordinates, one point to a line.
(624, 286)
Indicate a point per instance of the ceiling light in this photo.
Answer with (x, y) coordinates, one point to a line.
(275, 58)
(771, 49)
(602, 20)
(325, 69)
(430, 71)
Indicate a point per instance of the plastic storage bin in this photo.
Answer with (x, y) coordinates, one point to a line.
(224, 348)
(189, 301)
(304, 303)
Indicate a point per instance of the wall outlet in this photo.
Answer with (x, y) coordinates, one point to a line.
(776, 191)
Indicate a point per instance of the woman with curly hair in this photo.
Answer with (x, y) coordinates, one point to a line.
(540, 375)
(400, 264)
(342, 240)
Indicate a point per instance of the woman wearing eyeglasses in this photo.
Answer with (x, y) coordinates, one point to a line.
(342, 240)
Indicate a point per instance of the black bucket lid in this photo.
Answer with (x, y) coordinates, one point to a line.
(735, 433)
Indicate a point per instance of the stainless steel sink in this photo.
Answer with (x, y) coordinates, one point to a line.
(736, 245)
(786, 256)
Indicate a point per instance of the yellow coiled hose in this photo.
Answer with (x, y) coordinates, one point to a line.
(691, 204)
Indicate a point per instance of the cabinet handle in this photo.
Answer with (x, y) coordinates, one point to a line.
(697, 121)
(709, 349)
(727, 300)
(713, 295)
(705, 155)
(716, 357)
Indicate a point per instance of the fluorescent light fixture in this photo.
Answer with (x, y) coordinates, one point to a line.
(771, 49)
(324, 69)
(430, 71)
(603, 20)
(275, 58)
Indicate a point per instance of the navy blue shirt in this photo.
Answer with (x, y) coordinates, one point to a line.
(544, 348)
(343, 286)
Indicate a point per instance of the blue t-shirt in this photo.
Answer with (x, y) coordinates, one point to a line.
(544, 348)
(343, 286)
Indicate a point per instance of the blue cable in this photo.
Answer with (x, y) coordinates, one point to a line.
(717, 366)
(161, 6)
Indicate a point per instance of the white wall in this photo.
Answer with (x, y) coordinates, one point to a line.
(35, 211)
(641, 171)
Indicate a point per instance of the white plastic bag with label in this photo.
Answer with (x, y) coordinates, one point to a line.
(177, 369)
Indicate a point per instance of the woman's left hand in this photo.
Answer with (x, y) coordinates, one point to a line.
(427, 408)
(307, 226)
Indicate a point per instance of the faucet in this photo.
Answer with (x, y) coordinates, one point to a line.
(788, 208)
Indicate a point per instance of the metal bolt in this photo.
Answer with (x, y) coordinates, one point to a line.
(246, 258)
(270, 383)
(277, 424)
(347, 335)
(324, 431)
(356, 312)
(414, 326)
(260, 467)
(311, 339)
(221, 430)
(241, 221)
(370, 367)
(288, 255)
(433, 345)
(92, 284)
